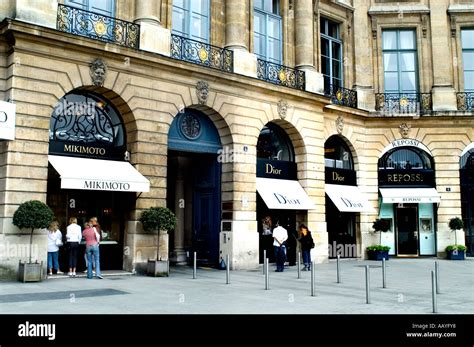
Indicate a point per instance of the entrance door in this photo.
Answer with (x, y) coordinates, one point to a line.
(206, 208)
(407, 230)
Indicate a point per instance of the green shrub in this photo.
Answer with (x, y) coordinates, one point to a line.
(452, 248)
(158, 218)
(381, 225)
(32, 215)
(378, 248)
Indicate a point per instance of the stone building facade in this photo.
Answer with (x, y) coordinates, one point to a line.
(196, 101)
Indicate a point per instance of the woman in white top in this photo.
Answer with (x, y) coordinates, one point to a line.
(73, 236)
(53, 249)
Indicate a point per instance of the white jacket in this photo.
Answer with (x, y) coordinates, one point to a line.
(73, 233)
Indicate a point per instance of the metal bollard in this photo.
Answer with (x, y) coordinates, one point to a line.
(384, 274)
(367, 284)
(433, 292)
(265, 265)
(312, 279)
(194, 266)
(227, 269)
(438, 290)
(298, 264)
(264, 257)
(338, 269)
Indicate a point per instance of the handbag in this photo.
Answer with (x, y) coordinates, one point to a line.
(59, 242)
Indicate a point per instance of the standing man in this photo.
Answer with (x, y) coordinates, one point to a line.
(280, 235)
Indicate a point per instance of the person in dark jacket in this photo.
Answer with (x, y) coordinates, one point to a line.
(307, 243)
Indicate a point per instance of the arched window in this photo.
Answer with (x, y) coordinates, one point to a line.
(406, 158)
(337, 154)
(467, 160)
(86, 124)
(274, 144)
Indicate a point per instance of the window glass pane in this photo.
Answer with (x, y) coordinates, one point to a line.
(408, 82)
(276, 7)
(390, 61)
(258, 4)
(391, 82)
(200, 28)
(325, 67)
(389, 40)
(336, 69)
(468, 60)
(274, 50)
(259, 23)
(337, 82)
(274, 27)
(259, 45)
(467, 37)
(322, 26)
(178, 21)
(407, 61)
(179, 3)
(325, 47)
(336, 50)
(200, 6)
(333, 29)
(469, 81)
(407, 39)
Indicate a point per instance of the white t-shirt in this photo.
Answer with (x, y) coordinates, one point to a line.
(52, 237)
(73, 233)
(280, 234)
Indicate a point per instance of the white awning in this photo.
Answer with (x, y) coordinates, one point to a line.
(97, 174)
(348, 198)
(410, 195)
(283, 194)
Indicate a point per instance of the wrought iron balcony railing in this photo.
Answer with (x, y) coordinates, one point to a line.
(341, 96)
(201, 53)
(419, 103)
(465, 101)
(280, 74)
(97, 26)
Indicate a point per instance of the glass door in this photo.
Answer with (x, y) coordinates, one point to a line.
(407, 230)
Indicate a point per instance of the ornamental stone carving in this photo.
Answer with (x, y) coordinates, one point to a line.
(98, 72)
(405, 130)
(282, 107)
(339, 124)
(202, 92)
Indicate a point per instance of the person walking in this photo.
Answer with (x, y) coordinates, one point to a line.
(55, 239)
(280, 235)
(73, 237)
(307, 243)
(92, 250)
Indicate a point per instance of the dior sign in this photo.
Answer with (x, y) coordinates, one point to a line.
(7, 120)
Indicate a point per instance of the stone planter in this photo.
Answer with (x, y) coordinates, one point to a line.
(377, 255)
(455, 255)
(30, 272)
(158, 268)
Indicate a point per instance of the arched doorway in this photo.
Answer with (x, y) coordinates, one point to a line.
(280, 196)
(467, 195)
(194, 187)
(406, 176)
(89, 174)
(344, 201)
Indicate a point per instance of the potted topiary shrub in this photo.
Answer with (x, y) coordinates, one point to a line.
(159, 220)
(32, 215)
(456, 252)
(379, 252)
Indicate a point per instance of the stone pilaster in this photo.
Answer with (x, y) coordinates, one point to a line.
(153, 37)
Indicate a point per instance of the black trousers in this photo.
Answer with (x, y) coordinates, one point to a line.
(73, 248)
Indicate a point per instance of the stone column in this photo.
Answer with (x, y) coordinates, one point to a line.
(179, 255)
(237, 37)
(444, 94)
(364, 84)
(304, 45)
(304, 34)
(153, 37)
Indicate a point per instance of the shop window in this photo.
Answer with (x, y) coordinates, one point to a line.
(406, 159)
(267, 36)
(337, 154)
(400, 61)
(87, 125)
(467, 39)
(331, 53)
(274, 144)
(191, 19)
